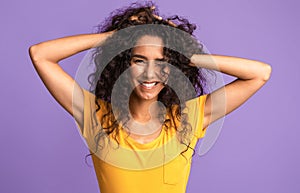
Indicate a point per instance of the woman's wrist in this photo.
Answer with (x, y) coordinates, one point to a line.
(203, 61)
(102, 37)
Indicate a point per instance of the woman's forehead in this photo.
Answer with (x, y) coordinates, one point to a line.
(149, 52)
(149, 40)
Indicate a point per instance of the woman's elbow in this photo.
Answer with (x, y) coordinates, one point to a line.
(34, 53)
(265, 72)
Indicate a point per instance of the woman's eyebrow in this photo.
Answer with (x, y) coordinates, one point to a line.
(139, 56)
(144, 57)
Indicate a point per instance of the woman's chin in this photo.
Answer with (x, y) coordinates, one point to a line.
(147, 94)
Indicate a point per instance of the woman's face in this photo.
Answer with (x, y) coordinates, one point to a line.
(149, 70)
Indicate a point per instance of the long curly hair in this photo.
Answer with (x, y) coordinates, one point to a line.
(112, 59)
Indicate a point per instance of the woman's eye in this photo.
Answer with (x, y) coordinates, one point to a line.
(139, 61)
(162, 64)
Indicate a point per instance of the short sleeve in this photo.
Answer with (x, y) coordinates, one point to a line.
(195, 111)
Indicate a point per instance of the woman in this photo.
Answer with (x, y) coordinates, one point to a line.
(141, 118)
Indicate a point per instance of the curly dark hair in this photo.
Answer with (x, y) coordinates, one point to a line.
(113, 57)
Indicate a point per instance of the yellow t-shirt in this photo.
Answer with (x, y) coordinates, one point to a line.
(130, 167)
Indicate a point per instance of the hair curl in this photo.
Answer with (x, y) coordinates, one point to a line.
(178, 47)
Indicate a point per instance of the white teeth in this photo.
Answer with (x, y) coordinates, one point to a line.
(148, 85)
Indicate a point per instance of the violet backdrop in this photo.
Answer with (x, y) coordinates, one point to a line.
(258, 148)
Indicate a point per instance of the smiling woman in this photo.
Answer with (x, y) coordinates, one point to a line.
(148, 104)
(147, 65)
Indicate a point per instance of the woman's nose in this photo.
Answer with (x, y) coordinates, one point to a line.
(150, 70)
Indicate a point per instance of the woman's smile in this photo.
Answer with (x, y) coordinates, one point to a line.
(149, 85)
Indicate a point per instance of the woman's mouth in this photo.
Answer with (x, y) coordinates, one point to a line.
(148, 85)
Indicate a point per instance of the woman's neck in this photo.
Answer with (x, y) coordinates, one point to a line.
(143, 110)
(145, 125)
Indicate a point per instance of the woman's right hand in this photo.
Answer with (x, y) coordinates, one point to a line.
(45, 57)
(136, 18)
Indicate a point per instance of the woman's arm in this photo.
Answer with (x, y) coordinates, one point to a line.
(251, 76)
(45, 57)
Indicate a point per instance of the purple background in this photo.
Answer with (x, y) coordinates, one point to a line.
(258, 149)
